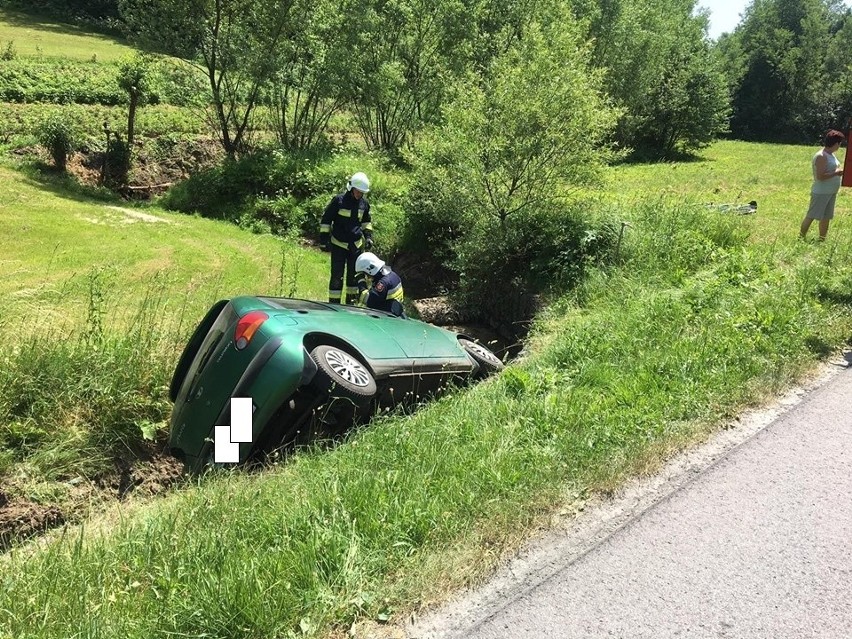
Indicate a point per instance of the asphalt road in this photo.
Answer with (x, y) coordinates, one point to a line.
(748, 538)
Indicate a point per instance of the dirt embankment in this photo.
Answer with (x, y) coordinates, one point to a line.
(152, 472)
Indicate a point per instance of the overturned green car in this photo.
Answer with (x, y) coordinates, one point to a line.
(302, 364)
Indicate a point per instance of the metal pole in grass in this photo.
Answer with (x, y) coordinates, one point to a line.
(106, 152)
(618, 243)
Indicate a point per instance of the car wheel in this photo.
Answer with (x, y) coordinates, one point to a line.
(342, 376)
(488, 362)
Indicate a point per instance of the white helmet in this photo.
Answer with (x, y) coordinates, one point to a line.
(359, 181)
(368, 263)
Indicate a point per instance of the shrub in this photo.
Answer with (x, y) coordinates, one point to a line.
(287, 192)
(117, 162)
(10, 52)
(57, 136)
(494, 179)
(501, 271)
(283, 213)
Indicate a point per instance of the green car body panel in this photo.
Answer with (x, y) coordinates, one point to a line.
(274, 364)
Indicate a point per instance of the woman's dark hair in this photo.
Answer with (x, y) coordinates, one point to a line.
(833, 137)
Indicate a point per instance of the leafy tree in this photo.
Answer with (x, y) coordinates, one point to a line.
(310, 74)
(660, 71)
(689, 106)
(512, 146)
(792, 57)
(399, 60)
(235, 42)
(134, 78)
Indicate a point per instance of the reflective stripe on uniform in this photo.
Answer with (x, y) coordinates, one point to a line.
(345, 245)
(367, 226)
(344, 212)
(325, 228)
(395, 293)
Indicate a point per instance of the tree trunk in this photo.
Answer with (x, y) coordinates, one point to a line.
(131, 118)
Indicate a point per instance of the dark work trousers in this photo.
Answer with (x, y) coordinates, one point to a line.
(341, 259)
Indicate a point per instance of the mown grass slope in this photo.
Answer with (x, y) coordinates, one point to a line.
(35, 36)
(52, 240)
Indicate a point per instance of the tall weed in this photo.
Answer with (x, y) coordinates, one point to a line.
(72, 398)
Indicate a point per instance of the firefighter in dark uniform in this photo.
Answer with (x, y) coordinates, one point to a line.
(347, 230)
(385, 294)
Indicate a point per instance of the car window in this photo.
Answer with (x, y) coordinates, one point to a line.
(207, 348)
(296, 305)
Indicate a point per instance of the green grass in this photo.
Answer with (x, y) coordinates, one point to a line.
(777, 176)
(33, 36)
(708, 314)
(51, 241)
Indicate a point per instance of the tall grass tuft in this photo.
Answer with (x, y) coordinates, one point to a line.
(72, 398)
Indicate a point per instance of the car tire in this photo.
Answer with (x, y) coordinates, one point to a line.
(342, 376)
(488, 362)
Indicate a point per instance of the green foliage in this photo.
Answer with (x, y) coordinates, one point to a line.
(66, 81)
(660, 71)
(70, 403)
(236, 43)
(57, 135)
(400, 65)
(285, 191)
(310, 75)
(492, 178)
(20, 123)
(9, 52)
(26, 80)
(548, 250)
(683, 241)
(791, 70)
(689, 108)
(134, 76)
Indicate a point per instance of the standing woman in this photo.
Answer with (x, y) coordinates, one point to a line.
(827, 175)
(346, 230)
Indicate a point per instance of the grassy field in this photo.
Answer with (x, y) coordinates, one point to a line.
(52, 241)
(707, 314)
(776, 176)
(32, 36)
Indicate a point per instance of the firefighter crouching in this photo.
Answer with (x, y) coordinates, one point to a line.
(347, 230)
(385, 293)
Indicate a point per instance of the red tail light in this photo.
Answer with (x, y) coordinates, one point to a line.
(247, 327)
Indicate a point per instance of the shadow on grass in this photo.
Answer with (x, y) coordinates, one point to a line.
(818, 346)
(62, 184)
(55, 25)
(843, 297)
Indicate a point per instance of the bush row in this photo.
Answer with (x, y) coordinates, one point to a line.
(67, 81)
(19, 123)
(285, 193)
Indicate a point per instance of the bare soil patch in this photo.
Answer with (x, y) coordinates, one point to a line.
(149, 473)
(21, 518)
